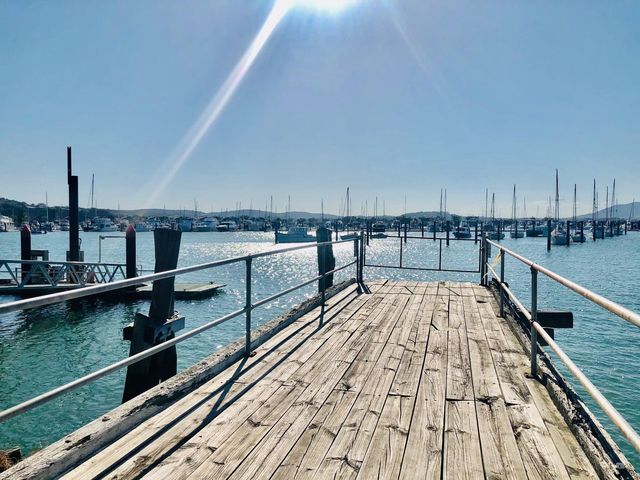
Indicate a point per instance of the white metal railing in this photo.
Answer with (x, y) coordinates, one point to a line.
(536, 329)
(45, 273)
(246, 310)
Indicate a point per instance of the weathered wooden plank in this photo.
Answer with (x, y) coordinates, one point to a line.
(505, 353)
(500, 454)
(539, 454)
(347, 452)
(423, 453)
(572, 454)
(462, 454)
(386, 450)
(483, 372)
(459, 383)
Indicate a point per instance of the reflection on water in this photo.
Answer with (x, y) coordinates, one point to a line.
(43, 348)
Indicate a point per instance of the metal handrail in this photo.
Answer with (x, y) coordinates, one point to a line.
(618, 420)
(615, 308)
(56, 392)
(136, 281)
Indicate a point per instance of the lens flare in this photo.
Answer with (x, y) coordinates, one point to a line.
(219, 101)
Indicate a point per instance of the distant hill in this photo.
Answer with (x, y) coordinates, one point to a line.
(621, 212)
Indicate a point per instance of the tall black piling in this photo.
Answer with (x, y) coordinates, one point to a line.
(73, 255)
(549, 235)
(25, 248)
(130, 241)
(326, 259)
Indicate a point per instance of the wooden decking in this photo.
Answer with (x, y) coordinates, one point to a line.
(415, 380)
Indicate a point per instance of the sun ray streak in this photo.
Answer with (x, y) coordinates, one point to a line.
(217, 104)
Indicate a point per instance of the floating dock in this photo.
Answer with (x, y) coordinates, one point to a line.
(183, 291)
(411, 380)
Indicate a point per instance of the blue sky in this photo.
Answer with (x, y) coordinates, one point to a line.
(391, 98)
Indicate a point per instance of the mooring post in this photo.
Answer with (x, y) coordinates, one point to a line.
(434, 231)
(448, 227)
(326, 260)
(362, 258)
(406, 227)
(160, 325)
(549, 235)
(400, 253)
(582, 231)
(25, 250)
(604, 226)
(516, 229)
(247, 307)
(502, 283)
(475, 238)
(568, 233)
(422, 228)
(337, 236)
(130, 251)
(399, 227)
(73, 255)
(534, 319)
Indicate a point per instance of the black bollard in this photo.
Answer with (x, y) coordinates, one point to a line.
(25, 249)
(160, 325)
(130, 241)
(548, 235)
(326, 259)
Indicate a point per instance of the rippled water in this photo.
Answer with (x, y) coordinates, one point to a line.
(43, 348)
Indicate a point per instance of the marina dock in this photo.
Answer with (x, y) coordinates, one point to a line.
(411, 380)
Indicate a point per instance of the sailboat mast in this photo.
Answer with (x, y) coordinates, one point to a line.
(575, 203)
(557, 212)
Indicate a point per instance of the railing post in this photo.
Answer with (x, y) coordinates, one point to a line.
(481, 266)
(534, 319)
(502, 283)
(400, 252)
(247, 308)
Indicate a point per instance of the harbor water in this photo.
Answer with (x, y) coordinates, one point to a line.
(43, 348)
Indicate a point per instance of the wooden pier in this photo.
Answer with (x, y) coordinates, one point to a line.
(412, 380)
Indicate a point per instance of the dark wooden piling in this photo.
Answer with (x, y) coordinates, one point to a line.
(434, 230)
(326, 259)
(422, 228)
(568, 233)
(406, 228)
(74, 213)
(130, 251)
(549, 235)
(159, 326)
(25, 248)
(476, 233)
(516, 228)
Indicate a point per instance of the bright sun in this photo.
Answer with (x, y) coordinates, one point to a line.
(331, 6)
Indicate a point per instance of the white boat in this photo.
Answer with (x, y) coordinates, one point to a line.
(559, 236)
(6, 224)
(105, 225)
(227, 226)
(462, 231)
(295, 235)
